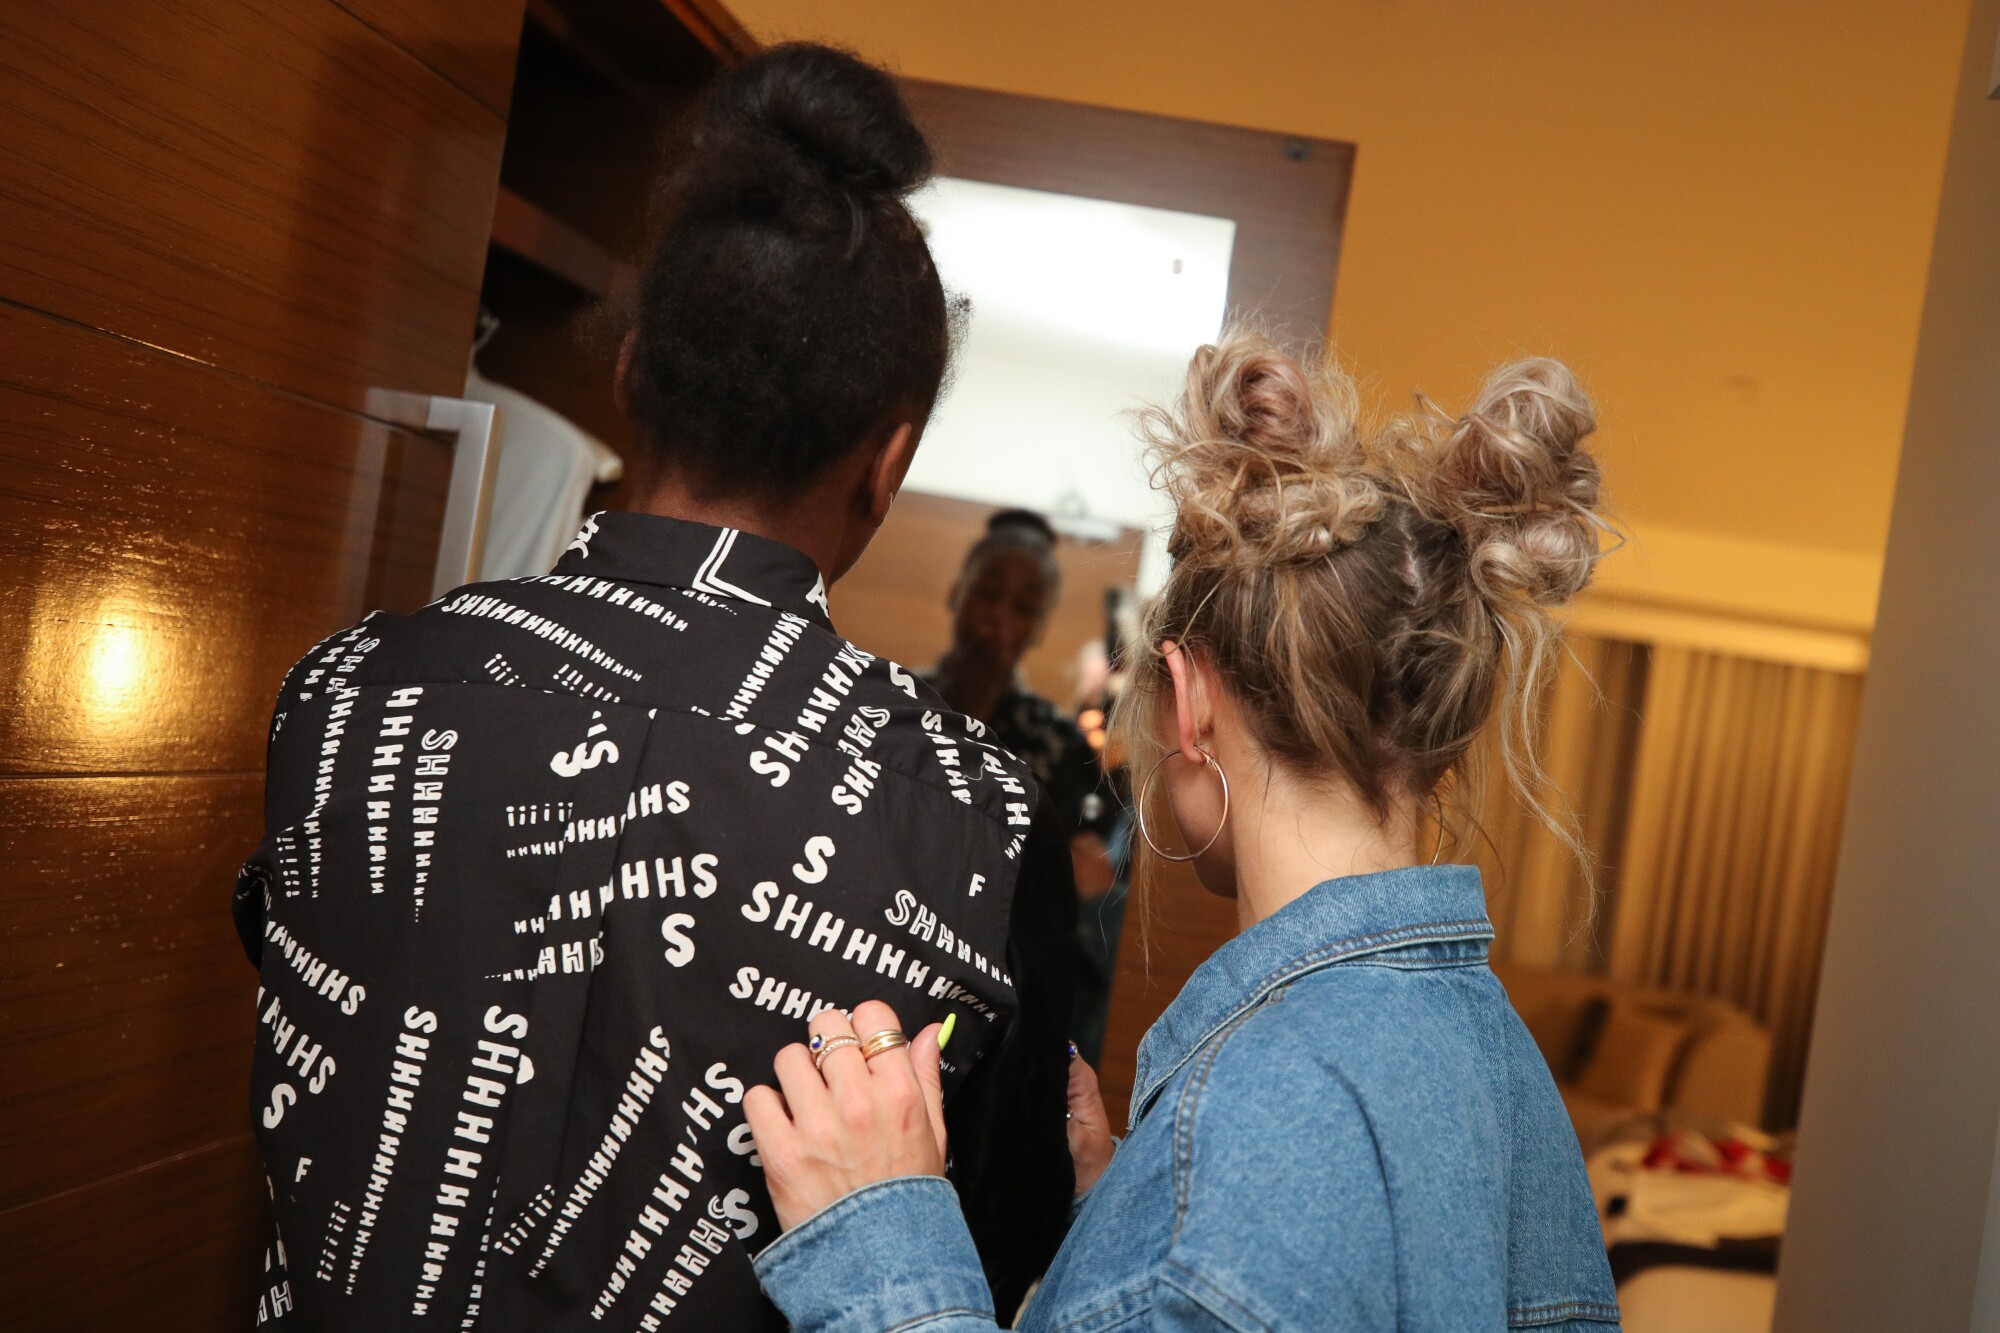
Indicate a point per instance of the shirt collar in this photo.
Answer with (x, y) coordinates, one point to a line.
(678, 553)
(1330, 923)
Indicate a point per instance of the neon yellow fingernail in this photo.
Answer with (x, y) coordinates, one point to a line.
(950, 1022)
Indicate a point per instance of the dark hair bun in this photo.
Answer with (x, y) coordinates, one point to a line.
(843, 116)
(1021, 522)
(790, 306)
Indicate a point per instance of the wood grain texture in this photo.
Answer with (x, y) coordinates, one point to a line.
(1287, 194)
(126, 999)
(172, 1248)
(275, 189)
(470, 42)
(174, 539)
(1185, 924)
(893, 602)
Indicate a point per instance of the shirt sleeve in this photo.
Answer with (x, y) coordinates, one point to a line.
(1009, 1141)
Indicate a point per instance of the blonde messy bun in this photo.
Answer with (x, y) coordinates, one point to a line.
(1512, 476)
(1261, 459)
(1372, 600)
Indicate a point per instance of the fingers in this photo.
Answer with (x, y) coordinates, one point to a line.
(840, 1062)
(1082, 1084)
(805, 1091)
(894, 1082)
(871, 1017)
(770, 1126)
(924, 1058)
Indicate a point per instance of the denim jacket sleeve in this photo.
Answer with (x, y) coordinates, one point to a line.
(892, 1255)
(895, 1257)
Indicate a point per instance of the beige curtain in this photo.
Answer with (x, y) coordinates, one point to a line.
(1544, 906)
(1709, 790)
(1726, 868)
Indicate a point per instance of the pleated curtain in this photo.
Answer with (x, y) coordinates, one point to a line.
(1544, 905)
(1726, 871)
(1709, 789)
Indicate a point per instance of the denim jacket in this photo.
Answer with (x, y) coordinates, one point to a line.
(1339, 1123)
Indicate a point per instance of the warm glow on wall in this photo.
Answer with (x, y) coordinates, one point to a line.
(115, 668)
(100, 666)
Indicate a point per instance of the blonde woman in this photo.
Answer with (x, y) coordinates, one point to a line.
(1339, 1123)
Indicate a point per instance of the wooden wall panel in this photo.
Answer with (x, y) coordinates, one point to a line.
(173, 1246)
(224, 228)
(275, 189)
(893, 601)
(1185, 923)
(470, 42)
(176, 538)
(126, 999)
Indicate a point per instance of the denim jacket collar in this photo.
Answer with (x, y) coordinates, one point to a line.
(1330, 923)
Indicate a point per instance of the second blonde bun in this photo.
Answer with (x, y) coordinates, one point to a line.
(1512, 476)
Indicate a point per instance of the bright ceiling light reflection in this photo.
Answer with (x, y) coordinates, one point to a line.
(1138, 277)
(1082, 309)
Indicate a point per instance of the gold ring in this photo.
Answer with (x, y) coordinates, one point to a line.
(825, 1046)
(888, 1039)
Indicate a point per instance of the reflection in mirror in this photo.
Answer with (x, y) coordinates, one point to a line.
(1080, 311)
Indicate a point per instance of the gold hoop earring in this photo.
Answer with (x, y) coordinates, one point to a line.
(1439, 803)
(1147, 786)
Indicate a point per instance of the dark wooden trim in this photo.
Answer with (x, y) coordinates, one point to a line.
(522, 229)
(578, 48)
(1286, 193)
(715, 27)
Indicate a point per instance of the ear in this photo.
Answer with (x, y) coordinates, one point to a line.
(1191, 712)
(621, 379)
(885, 474)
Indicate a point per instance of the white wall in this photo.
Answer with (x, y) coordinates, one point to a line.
(1082, 309)
(1894, 1223)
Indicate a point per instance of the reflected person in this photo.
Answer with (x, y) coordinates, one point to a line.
(1006, 590)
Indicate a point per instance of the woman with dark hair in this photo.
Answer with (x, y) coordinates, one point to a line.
(597, 841)
(1339, 1122)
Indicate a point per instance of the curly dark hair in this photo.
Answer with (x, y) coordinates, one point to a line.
(791, 305)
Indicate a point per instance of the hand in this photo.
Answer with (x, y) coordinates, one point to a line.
(1090, 1144)
(850, 1122)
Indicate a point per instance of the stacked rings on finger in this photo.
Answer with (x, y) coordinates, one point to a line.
(821, 1047)
(888, 1039)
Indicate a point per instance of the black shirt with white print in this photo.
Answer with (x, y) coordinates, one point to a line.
(551, 870)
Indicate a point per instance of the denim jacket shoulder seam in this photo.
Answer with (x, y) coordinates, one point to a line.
(1184, 1118)
(1326, 955)
(1382, 1169)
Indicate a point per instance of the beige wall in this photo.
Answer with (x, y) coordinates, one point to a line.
(1720, 211)
(1893, 1223)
